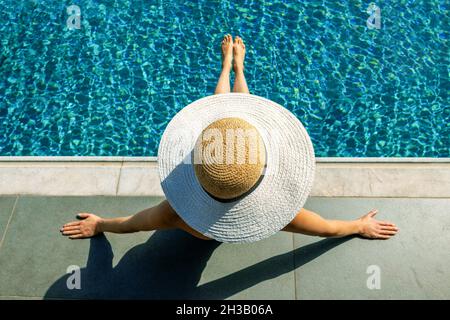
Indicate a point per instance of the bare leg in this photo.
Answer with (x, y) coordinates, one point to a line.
(240, 84)
(223, 85)
(159, 217)
(310, 223)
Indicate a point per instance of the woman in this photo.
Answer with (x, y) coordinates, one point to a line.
(163, 216)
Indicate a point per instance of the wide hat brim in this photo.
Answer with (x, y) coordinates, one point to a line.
(282, 192)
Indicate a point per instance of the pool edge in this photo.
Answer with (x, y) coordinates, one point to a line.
(138, 176)
(154, 159)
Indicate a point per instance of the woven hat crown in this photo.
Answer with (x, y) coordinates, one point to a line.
(229, 158)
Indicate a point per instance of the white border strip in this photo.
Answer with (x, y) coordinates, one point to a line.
(382, 160)
(154, 159)
(76, 159)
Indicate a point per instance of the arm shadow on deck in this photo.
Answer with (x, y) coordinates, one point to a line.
(169, 266)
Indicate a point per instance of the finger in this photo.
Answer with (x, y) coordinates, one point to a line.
(71, 232)
(77, 236)
(372, 213)
(383, 236)
(83, 215)
(390, 228)
(386, 223)
(388, 232)
(74, 223)
(70, 228)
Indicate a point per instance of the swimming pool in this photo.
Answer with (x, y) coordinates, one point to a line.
(110, 87)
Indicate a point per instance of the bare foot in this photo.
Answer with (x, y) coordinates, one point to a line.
(239, 54)
(86, 228)
(375, 229)
(227, 51)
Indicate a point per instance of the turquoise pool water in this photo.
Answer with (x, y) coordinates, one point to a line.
(110, 87)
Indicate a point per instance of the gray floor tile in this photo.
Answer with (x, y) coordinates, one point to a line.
(412, 265)
(162, 264)
(34, 257)
(6, 207)
(259, 270)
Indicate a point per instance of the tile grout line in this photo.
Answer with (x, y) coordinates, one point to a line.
(118, 180)
(293, 262)
(9, 221)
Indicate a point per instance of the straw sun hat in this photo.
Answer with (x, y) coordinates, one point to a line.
(236, 167)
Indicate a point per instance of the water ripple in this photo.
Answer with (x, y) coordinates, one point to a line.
(111, 87)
